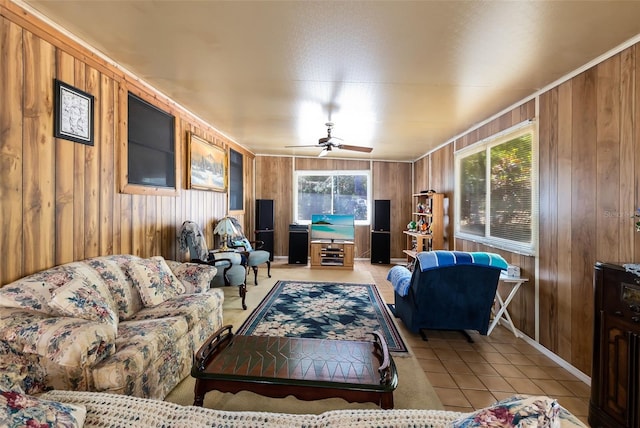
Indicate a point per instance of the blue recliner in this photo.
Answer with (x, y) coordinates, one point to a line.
(447, 290)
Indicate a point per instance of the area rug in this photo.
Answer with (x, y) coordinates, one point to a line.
(323, 310)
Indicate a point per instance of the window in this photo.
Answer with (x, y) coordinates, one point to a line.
(236, 177)
(332, 192)
(151, 145)
(495, 191)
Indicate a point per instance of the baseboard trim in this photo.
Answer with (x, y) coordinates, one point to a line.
(557, 359)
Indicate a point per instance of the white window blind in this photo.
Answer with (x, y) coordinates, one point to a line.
(332, 192)
(495, 191)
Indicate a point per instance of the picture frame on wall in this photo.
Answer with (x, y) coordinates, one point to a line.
(73, 114)
(207, 165)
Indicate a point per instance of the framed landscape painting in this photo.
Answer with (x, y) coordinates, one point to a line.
(207, 165)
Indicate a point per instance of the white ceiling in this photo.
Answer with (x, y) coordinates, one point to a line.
(401, 77)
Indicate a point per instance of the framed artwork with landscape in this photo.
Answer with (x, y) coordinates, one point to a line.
(207, 165)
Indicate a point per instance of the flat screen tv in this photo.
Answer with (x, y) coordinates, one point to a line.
(333, 227)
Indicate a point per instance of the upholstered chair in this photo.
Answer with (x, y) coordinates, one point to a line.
(231, 264)
(255, 256)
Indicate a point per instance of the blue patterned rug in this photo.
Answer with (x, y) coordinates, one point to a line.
(323, 310)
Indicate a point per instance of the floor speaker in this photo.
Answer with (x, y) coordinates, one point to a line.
(382, 215)
(380, 248)
(264, 214)
(298, 245)
(266, 236)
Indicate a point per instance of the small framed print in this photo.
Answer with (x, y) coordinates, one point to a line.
(73, 114)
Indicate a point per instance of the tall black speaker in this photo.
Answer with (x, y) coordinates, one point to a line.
(381, 247)
(264, 214)
(266, 236)
(298, 244)
(382, 215)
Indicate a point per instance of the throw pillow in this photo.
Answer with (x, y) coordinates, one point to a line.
(19, 410)
(80, 299)
(20, 372)
(196, 278)
(244, 242)
(154, 280)
(520, 411)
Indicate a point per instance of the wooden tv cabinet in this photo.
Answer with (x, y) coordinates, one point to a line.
(331, 255)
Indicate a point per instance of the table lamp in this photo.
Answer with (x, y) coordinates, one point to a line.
(225, 228)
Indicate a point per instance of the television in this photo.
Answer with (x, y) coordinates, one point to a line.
(333, 227)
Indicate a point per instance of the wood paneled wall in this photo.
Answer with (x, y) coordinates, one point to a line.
(390, 180)
(61, 200)
(589, 170)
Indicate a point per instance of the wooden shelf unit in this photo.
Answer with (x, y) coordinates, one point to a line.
(433, 216)
(331, 255)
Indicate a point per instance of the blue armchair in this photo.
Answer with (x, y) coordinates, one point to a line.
(231, 265)
(447, 290)
(252, 250)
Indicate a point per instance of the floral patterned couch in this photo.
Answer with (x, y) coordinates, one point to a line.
(119, 324)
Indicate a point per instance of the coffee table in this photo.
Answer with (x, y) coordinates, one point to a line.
(308, 369)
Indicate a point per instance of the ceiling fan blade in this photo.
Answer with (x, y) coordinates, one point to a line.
(308, 145)
(356, 148)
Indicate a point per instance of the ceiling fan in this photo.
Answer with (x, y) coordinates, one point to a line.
(329, 142)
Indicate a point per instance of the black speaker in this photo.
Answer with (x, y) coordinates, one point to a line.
(266, 236)
(264, 214)
(380, 248)
(382, 215)
(298, 244)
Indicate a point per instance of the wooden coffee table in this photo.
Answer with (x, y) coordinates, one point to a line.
(308, 369)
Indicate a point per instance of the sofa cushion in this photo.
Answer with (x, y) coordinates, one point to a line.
(192, 307)
(27, 294)
(154, 280)
(124, 293)
(81, 299)
(68, 342)
(139, 344)
(196, 278)
(21, 410)
(34, 291)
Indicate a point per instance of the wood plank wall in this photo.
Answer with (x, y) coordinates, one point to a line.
(390, 180)
(61, 200)
(588, 191)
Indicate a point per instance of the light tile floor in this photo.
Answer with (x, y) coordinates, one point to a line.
(469, 376)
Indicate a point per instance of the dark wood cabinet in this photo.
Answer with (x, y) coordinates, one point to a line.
(615, 377)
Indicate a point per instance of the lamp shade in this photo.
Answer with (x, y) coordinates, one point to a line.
(225, 228)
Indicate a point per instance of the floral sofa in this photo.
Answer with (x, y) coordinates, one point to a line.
(119, 324)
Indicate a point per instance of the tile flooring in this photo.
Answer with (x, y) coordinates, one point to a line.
(469, 376)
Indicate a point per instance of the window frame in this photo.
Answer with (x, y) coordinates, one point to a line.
(332, 173)
(508, 135)
(138, 189)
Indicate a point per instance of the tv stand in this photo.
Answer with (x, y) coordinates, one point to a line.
(331, 255)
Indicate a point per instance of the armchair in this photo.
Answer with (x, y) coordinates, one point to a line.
(231, 265)
(255, 256)
(447, 290)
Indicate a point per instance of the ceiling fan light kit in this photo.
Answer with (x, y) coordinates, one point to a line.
(328, 142)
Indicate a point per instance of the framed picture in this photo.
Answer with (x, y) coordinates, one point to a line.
(73, 114)
(207, 165)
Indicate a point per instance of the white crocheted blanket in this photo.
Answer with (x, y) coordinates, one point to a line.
(109, 410)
